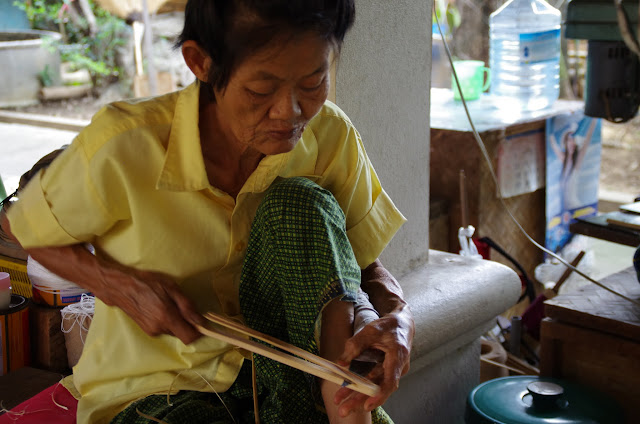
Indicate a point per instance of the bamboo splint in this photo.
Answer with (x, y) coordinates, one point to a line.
(303, 361)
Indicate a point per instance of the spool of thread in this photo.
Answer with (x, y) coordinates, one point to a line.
(76, 319)
(5, 290)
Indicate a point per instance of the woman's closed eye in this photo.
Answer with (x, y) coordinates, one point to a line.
(313, 85)
(261, 89)
(261, 94)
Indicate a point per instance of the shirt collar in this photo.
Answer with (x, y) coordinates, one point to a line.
(183, 168)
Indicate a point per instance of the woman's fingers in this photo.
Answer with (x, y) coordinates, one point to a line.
(354, 402)
(188, 309)
(387, 334)
(155, 302)
(177, 322)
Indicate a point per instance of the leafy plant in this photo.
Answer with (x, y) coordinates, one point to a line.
(94, 52)
(45, 77)
(447, 10)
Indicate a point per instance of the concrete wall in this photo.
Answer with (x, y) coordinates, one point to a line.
(437, 394)
(382, 83)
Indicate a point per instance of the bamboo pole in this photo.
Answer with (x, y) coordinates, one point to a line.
(306, 361)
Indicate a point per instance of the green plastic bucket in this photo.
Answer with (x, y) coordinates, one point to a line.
(537, 400)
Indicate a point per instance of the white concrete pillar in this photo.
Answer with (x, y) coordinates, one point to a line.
(382, 83)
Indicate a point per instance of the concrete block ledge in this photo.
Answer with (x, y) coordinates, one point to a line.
(454, 300)
(56, 122)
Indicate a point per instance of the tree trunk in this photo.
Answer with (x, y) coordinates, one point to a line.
(471, 38)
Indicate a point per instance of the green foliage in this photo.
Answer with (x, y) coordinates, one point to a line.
(45, 76)
(447, 9)
(38, 13)
(94, 52)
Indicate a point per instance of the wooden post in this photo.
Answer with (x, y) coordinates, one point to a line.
(148, 47)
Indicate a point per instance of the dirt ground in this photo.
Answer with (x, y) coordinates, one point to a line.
(78, 108)
(620, 168)
(619, 172)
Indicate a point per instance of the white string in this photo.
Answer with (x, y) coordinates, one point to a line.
(16, 415)
(149, 417)
(205, 380)
(82, 311)
(54, 400)
(152, 418)
(487, 158)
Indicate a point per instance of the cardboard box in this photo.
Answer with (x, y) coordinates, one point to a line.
(47, 339)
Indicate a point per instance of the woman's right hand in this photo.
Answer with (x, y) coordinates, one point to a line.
(153, 300)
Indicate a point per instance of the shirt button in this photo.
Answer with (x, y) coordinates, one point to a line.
(240, 246)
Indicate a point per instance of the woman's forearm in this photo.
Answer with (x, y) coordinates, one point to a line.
(383, 289)
(337, 328)
(74, 263)
(392, 334)
(153, 300)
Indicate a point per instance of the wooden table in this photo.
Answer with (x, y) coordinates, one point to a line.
(454, 148)
(592, 337)
(597, 226)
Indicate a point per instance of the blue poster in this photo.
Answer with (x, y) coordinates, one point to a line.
(573, 154)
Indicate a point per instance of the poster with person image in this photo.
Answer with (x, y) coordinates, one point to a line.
(573, 152)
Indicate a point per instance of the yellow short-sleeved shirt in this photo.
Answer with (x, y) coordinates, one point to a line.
(133, 184)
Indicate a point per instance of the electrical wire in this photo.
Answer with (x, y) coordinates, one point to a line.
(487, 158)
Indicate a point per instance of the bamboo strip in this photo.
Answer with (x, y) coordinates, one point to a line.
(233, 325)
(312, 364)
(501, 365)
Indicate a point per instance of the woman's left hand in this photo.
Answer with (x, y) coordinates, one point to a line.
(391, 334)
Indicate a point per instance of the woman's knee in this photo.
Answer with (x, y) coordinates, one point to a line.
(301, 198)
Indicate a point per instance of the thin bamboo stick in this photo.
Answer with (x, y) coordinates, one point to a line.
(501, 365)
(233, 325)
(311, 364)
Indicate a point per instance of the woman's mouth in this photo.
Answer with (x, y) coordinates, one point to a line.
(287, 134)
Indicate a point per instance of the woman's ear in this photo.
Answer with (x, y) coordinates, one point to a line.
(196, 59)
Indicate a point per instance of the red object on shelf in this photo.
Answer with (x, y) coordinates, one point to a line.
(483, 248)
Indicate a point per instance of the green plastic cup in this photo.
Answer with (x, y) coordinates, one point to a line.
(471, 74)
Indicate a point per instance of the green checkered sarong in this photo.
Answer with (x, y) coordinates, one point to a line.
(298, 259)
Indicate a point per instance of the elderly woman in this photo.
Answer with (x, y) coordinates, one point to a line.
(246, 194)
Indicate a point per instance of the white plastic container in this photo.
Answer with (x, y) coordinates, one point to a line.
(49, 288)
(524, 55)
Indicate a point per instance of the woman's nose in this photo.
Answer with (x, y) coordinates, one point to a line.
(286, 107)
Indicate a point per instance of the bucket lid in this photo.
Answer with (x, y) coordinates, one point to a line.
(536, 400)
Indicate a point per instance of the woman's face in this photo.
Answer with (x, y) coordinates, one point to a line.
(274, 93)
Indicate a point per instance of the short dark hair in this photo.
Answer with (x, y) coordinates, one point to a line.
(230, 30)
